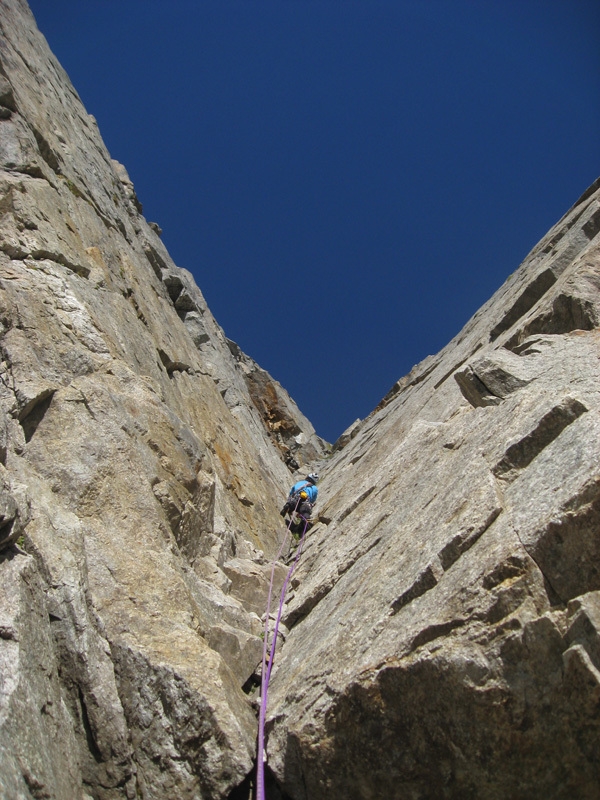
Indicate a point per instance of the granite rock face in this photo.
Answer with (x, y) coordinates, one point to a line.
(442, 635)
(139, 469)
(444, 627)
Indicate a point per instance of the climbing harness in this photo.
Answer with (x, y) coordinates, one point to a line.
(267, 665)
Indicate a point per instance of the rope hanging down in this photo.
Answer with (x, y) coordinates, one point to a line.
(261, 755)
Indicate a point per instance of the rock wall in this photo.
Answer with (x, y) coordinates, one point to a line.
(445, 623)
(142, 467)
(442, 634)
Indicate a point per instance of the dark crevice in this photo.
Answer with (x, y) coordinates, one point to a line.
(174, 286)
(553, 597)
(446, 375)
(32, 171)
(185, 302)
(251, 684)
(37, 788)
(567, 548)
(6, 528)
(120, 226)
(32, 421)
(79, 269)
(568, 313)
(89, 734)
(592, 226)
(425, 581)
(523, 348)
(521, 454)
(532, 294)
(296, 615)
(170, 365)
(448, 556)
(463, 542)
(140, 315)
(246, 789)
(7, 97)
(46, 151)
(8, 633)
(18, 253)
(10, 552)
(435, 631)
(512, 567)
(421, 376)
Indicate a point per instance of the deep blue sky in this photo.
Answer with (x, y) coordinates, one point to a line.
(348, 180)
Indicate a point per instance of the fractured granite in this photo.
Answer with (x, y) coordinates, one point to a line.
(137, 466)
(444, 625)
(441, 636)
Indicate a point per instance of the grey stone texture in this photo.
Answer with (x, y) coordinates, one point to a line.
(140, 466)
(444, 623)
(441, 636)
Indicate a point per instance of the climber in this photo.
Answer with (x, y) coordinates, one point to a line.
(302, 498)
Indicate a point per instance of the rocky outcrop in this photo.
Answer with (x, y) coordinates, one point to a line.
(442, 634)
(140, 483)
(288, 428)
(444, 627)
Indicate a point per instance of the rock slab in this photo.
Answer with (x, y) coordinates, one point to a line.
(442, 635)
(444, 626)
(139, 460)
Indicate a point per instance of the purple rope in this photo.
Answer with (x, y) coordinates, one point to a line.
(267, 615)
(266, 631)
(266, 675)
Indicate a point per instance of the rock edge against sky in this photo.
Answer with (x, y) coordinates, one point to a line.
(441, 636)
